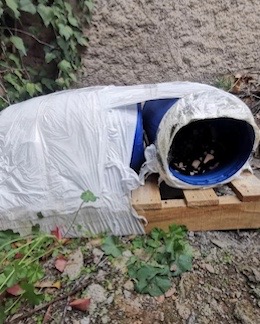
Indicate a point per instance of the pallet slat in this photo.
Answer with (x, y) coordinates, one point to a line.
(147, 196)
(247, 188)
(198, 198)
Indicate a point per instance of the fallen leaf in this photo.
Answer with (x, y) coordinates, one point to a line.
(57, 232)
(96, 242)
(81, 304)
(19, 255)
(15, 290)
(60, 263)
(47, 315)
(48, 284)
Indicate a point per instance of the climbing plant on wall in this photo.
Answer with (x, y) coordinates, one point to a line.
(40, 46)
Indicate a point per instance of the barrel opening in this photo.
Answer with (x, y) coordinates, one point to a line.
(209, 151)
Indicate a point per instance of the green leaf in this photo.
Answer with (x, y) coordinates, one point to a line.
(2, 314)
(46, 14)
(60, 82)
(13, 5)
(34, 273)
(157, 234)
(30, 88)
(27, 6)
(73, 77)
(65, 31)
(110, 247)
(50, 56)
(183, 263)
(158, 286)
(65, 66)
(89, 4)
(88, 196)
(18, 43)
(73, 21)
(15, 59)
(30, 295)
(12, 79)
(7, 236)
(48, 83)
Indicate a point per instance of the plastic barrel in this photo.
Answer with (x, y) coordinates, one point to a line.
(229, 141)
(153, 112)
(138, 158)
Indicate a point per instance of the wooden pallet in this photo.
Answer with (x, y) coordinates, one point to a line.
(201, 209)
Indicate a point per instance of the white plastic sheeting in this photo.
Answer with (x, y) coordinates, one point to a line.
(54, 147)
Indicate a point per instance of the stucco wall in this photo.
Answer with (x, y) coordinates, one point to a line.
(148, 41)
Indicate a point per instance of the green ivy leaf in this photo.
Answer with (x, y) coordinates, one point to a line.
(73, 21)
(48, 83)
(13, 5)
(15, 59)
(89, 4)
(50, 56)
(65, 31)
(27, 6)
(46, 14)
(110, 247)
(88, 196)
(12, 79)
(18, 43)
(73, 77)
(30, 88)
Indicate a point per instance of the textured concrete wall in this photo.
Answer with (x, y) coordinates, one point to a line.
(148, 41)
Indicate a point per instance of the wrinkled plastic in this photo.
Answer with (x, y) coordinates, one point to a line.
(54, 147)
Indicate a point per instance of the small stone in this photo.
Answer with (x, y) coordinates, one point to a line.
(129, 285)
(208, 158)
(127, 294)
(208, 267)
(195, 164)
(85, 320)
(183, 310)
(160, 299)
(161, 317)
(97, 293)
(74, 265)
(110, 299)
(170, 292)
(105, 319)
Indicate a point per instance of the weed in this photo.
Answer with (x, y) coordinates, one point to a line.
(164, 254)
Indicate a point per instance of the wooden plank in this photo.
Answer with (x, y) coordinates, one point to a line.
(229, 214)
(147, 196)
(247, 188)
(200, 197)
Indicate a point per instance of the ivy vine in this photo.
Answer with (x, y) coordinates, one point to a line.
(40, 46)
